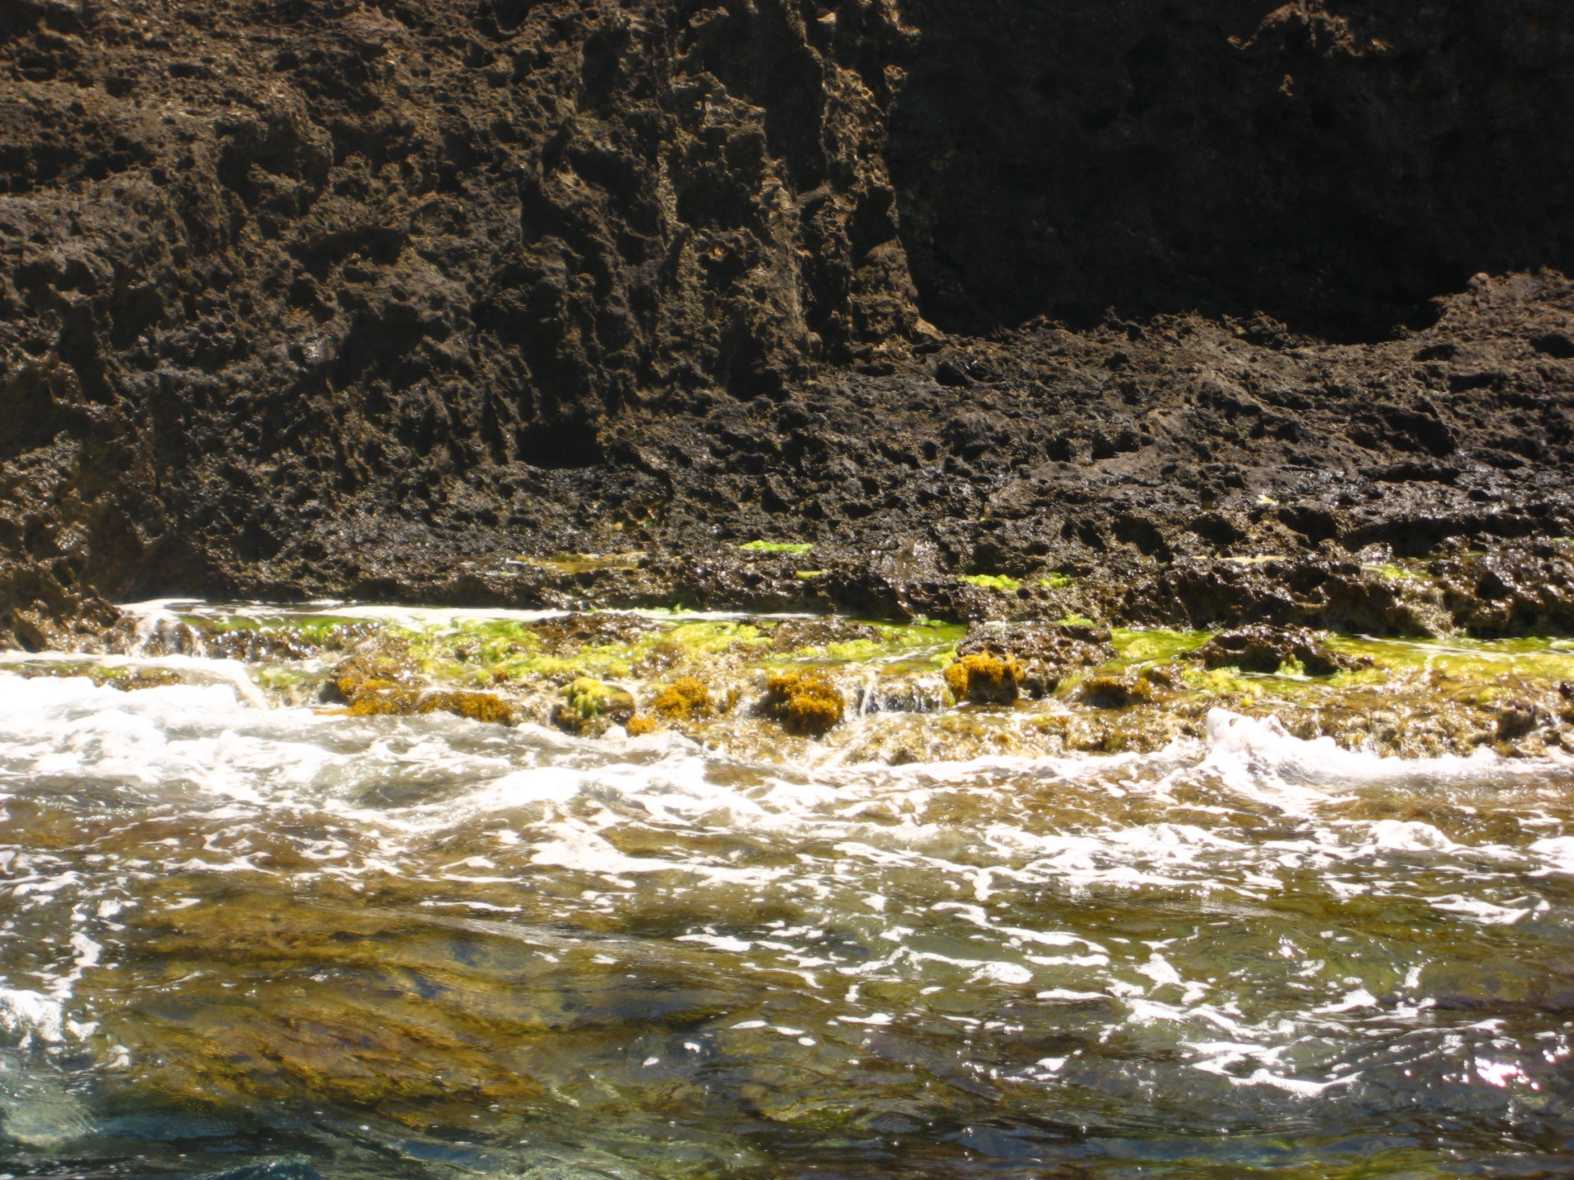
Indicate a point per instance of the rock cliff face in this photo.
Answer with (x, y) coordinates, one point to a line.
(300, 297)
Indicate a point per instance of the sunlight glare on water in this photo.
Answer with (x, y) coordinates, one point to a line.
(252, 942)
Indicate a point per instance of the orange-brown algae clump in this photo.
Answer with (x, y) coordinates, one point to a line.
(382, 701)
(639, 726)
(377, 680)
(984, 679)
(477, 706)
(804, 702)
(406, 702)
(683, 700)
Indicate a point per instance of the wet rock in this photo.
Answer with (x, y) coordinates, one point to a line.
(1517, 720)
(1115, 692)
(1519, 588)
(911, 696)
(119, 676)
(590, 706)
(983, 678)
(804, 702)
(1042, 653)
(1555, 344)
(1271, 649)
(292, 1168)
(899, 580)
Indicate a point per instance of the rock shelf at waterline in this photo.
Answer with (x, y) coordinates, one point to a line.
(781, 687)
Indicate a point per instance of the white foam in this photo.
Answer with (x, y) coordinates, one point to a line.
(30, 1014)
(1264, 761)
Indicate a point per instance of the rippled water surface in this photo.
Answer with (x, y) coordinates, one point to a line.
(249, 942)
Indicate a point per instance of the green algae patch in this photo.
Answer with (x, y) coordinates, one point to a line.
(786, 548)
(315, 628)
(498, 652)
(705, 638)
(1056, 581)
(853, 651)
(892, 647)
(282, 680)
(1224, 684)
(809, 575)
(1154, 646)
(584, 671)
(1471, 659)
(1002, 583)
(1392, 571)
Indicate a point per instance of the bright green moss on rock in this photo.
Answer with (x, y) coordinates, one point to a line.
(1003, 583)
(913, 646)
(1154, 646)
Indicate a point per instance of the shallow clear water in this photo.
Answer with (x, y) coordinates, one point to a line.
(249, 942)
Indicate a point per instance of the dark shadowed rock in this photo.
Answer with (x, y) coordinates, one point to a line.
(376, 298)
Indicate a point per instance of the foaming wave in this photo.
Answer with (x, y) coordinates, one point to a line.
(1260, 758)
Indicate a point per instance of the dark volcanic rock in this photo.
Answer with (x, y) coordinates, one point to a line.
(370, 297)
(1267, 649)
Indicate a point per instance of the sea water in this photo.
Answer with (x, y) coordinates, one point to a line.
(245, 940)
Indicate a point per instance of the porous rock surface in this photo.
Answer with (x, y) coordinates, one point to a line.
(358, 296)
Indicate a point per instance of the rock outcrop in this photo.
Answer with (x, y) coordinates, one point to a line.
(338, 297)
